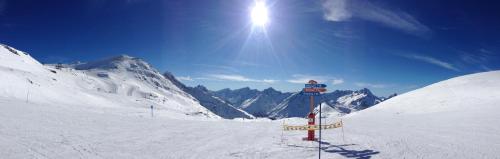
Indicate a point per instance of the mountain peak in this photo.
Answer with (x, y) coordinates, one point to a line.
(244, 88)
(365, 91)
(123, 57)
(116, 62)
(269, 90)
(201, 87)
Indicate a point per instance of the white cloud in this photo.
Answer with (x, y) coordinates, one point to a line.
(336, 10)
(432, 60)
(269, 81)
(371, 85)
(240, 78)
(342, 10)
(337, 81)
(185, 78)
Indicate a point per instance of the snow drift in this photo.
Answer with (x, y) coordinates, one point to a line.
(455, 118)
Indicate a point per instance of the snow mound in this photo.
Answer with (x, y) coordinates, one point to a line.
(455, 118)
(465, 94)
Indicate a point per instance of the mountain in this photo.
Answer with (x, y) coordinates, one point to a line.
(120, 82)
(238, 96)
(263, 101)
(275, 104)
(209, 101)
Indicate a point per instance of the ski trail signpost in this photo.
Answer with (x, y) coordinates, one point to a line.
(311, 89)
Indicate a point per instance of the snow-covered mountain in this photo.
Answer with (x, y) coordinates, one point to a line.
(238, 96)
(121, 81)
(342, 101)
(275, 104)
(264, 101)
(209, 101)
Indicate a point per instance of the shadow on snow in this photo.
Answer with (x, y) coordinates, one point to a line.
(344, 151)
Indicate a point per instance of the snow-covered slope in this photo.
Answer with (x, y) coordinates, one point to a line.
(122, 82)
(456, 118)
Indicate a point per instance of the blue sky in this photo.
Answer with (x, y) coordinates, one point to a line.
(386, 46)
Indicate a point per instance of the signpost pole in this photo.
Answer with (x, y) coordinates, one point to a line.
(311, 116)
(319, 138)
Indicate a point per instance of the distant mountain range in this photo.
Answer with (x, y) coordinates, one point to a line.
(275, 104)
(124, 78)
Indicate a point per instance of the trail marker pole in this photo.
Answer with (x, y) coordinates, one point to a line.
(282, 131)
(343, 139)
(27, 96)
(319, 140)
(152, 114)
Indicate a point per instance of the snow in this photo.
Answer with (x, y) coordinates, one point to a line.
(25, 79)
(68, 118)
(456, 118)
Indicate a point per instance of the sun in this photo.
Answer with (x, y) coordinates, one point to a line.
(259, 14)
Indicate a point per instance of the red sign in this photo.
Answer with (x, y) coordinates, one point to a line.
(314, 89)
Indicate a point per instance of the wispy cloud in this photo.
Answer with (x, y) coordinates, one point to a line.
(432, 60)
(479, 58)
(301, 79)
(219, 68)
(240, 78)
(371, 85)
(337, 81)
(185, 78)
(343, 10)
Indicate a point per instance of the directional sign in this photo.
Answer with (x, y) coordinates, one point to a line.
(311, 93)
(314, 90)
(315, 85)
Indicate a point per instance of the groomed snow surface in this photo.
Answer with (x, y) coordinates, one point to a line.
(456, 118)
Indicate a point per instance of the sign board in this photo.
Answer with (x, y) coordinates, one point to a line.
(314, 89)
(315, 85)
(311, 93)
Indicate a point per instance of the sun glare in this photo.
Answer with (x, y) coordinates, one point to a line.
(260, 14)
